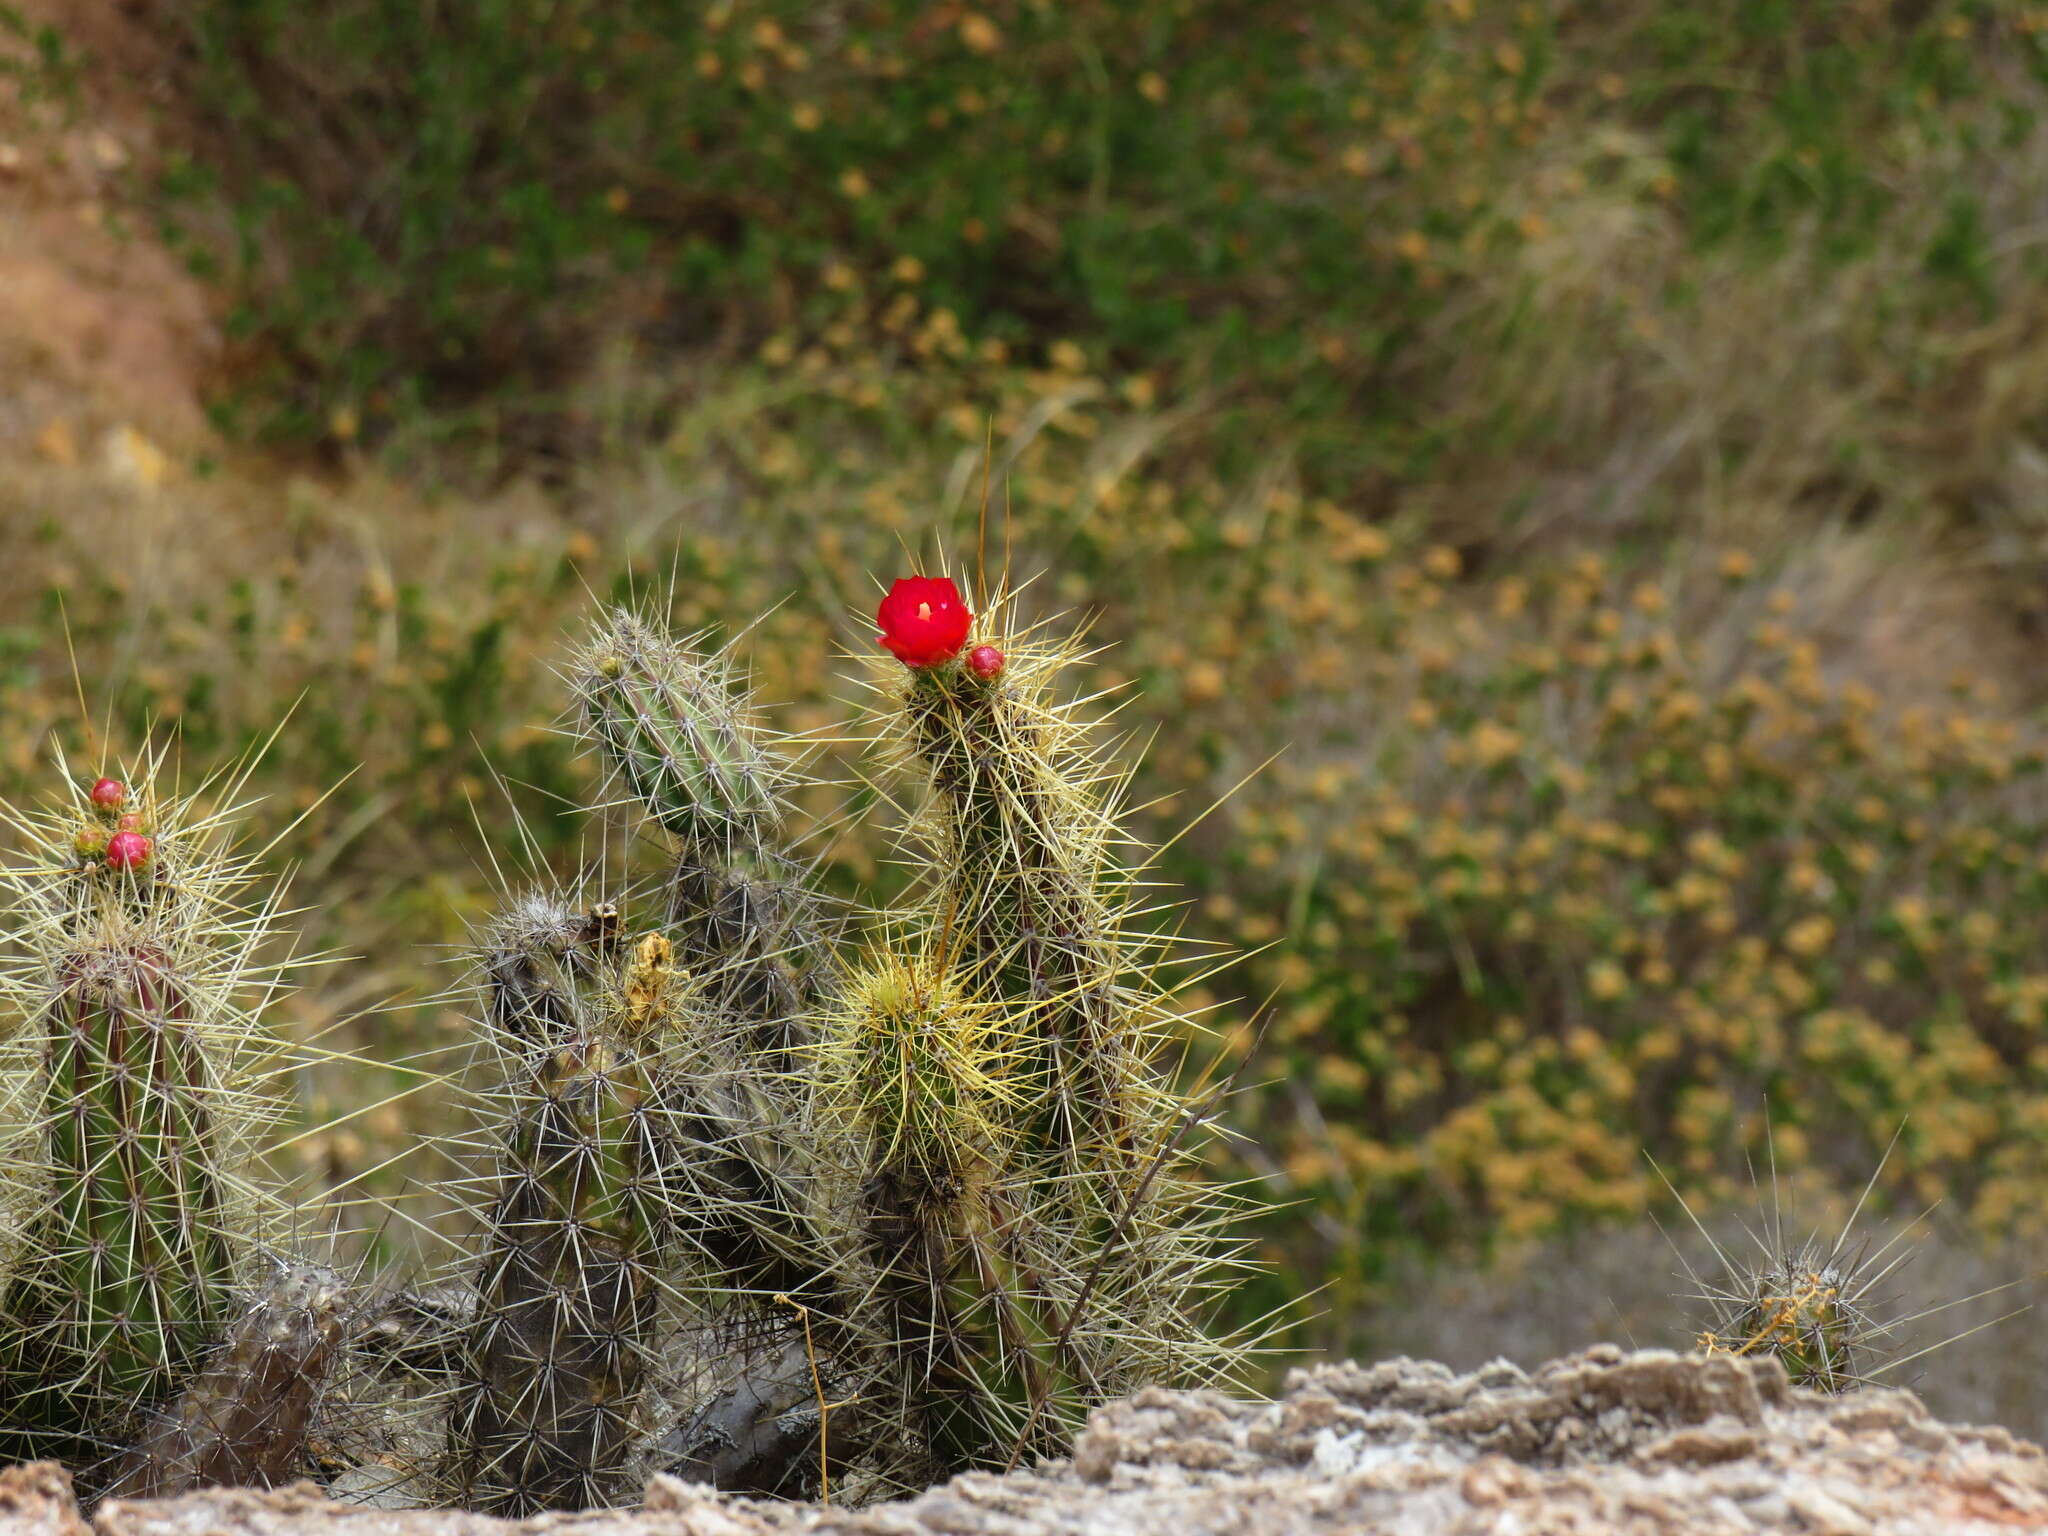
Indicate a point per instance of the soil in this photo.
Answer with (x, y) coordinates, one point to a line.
(101, 327)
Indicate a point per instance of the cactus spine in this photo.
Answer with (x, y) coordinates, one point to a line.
(136, 1084)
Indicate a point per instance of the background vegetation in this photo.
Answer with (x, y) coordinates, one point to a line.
(1598, 446)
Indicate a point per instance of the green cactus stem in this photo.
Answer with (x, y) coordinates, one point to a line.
(130, 1278)
(1107, 1248)
(921, 1075)
(1030, 898)
(139, 1081)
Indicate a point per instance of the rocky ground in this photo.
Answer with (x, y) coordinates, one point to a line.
(1598, 1442)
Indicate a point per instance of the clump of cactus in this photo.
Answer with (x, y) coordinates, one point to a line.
(139, 1242)
(743, 1210)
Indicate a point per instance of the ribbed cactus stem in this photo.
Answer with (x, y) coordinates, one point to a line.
(677, 734)
(923, 1074)
(740, 1216)
(1025, 890)
(1812, 1308)
(137, 1080)
(129, 1277)
(1104, 1247)
(680, 733)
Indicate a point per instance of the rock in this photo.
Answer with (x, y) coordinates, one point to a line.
(35, 1500)
(1599, 1442)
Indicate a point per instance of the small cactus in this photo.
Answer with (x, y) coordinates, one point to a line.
(1820, 1305)
(244, 1420)
(1809, 1310)
(634, 1163)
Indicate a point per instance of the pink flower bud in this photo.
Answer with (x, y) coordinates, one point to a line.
(985, 662)
(91, 842)
(129, 850)
(128, 821)
(109, 794)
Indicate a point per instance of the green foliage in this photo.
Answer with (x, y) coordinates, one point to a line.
(445, 207)
(1613, 869)
(35, 57)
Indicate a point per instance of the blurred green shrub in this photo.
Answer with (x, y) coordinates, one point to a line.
(446, 206)
(1581, 862)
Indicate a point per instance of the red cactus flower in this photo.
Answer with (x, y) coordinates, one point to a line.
(109, 794)
(985, 662)
(128, 850)
(923, 620)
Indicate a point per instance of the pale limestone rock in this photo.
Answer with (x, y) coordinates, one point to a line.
(1603, 1443)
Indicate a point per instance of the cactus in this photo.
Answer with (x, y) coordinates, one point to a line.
(674, 726)
(741, 1215)
(137, 1084)
(1095, 1250)
(633, 1163)
(672, 723)
(1807, 1309)
(1020, 837)
(922, 1075)
(694, 1174)
(1821, 1306)
(554, 1359)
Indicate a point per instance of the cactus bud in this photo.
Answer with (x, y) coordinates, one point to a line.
(91, 843)
(129, 850)
(109, 794)
(985, 662)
